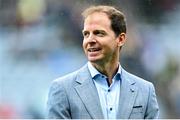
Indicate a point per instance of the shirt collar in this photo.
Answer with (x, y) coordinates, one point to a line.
(94, 72)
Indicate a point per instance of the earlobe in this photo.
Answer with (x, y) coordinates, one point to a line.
(121, 39)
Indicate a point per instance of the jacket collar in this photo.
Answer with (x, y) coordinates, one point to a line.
(89, 95)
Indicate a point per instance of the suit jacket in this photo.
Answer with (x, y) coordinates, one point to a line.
(75, 96)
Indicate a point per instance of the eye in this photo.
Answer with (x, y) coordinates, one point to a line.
(85, 34)
(99, 33)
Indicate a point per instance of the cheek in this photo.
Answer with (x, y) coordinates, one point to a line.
(84, 44)
(110, 47)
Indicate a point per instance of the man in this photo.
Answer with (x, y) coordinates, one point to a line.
(102, 89)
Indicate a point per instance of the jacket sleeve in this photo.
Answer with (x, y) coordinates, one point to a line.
(152, 110)
(57, 105)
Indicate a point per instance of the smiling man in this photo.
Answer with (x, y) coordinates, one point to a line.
(102, 89)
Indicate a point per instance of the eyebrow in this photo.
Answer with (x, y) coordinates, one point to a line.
(101, 31)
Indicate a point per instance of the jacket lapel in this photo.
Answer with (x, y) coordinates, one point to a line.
(128, 93)
(88, 93)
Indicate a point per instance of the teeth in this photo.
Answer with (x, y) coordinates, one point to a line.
(93, 49)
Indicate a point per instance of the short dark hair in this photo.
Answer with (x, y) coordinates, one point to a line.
(117, 18)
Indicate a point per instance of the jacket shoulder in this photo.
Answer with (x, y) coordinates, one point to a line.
(66, 78)
(138, 80)
(70, 78)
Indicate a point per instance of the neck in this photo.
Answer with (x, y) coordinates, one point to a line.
(108, 69)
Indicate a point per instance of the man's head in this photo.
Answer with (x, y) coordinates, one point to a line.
(104, 34)
(117, 18)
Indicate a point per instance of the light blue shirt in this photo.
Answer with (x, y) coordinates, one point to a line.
(108, 95)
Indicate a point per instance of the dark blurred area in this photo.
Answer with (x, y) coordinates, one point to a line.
(40, 40)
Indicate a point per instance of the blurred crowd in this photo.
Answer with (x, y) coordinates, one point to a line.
(40, 40)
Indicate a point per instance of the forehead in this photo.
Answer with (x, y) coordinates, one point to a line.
(97, 19)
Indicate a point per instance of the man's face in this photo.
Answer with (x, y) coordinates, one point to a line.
(100, 43)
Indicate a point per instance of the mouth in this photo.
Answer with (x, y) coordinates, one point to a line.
(93, 49)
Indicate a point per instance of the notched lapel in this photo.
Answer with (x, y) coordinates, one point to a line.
(88, 94)
(128, 93)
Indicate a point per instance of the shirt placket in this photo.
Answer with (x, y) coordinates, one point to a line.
(110, 108)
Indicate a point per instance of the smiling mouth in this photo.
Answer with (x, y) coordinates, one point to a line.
(93, 49)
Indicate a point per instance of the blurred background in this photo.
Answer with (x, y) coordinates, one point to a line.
(40, 40)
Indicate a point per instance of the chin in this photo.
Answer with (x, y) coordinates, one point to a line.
(94, 60)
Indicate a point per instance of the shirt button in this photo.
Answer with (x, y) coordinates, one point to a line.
(110, 109)
(109, 90)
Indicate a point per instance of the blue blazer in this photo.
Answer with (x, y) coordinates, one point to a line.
(75, 96)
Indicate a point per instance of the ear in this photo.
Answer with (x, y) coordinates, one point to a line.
(121, 39)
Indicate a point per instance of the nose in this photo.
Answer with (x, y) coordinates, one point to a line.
(91, 39)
